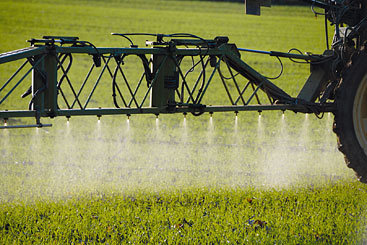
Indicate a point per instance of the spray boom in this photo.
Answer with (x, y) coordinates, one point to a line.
(184, 73)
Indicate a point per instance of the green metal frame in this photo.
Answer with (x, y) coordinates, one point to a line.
(167, 84)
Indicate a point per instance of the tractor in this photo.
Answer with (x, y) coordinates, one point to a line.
(178, 71)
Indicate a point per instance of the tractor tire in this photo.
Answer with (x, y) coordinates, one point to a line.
(350, 122)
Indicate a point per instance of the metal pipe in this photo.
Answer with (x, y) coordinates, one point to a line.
(282, 54)
(254, 51)
(27, 126)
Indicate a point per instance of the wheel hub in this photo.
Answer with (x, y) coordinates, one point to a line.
(360, 114)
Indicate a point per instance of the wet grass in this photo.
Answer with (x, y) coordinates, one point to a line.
(141, 184)
(307, 215)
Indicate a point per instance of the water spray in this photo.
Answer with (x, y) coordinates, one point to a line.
(98, 115)
(211, 118)
(128, 119)
(163, 73)
(157, 119)
(236, 121)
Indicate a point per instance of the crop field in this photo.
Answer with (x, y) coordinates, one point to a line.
(270, 179)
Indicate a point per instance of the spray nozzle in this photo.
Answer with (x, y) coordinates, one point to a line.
(283, 114)
(236, 113)
(128, 116)
(5, 121)
(68, 118)
(259, 113)
(99, 116)
(185, 114)
(156, 115)
(211, 114)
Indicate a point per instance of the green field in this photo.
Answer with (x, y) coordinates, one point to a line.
(269, 179)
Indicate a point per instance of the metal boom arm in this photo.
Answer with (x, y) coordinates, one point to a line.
(176, 77)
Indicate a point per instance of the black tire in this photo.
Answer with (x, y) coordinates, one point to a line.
(350, 123)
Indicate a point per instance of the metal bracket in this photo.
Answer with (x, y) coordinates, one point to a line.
(317, 81)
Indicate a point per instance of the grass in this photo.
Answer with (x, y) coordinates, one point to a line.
(327, 215)
(262, 180)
